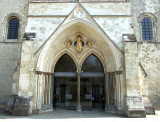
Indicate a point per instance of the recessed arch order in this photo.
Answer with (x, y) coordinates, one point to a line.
(110, 56)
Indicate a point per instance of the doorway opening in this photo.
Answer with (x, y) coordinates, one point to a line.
(92, 91)
(64, 82)
(92, 81)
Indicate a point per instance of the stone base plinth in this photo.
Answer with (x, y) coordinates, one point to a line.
(150, 110)
(120, 110)
(11, 103)
(136, 113)
(148, 105)
(78, 109)
(21, 113)
(22, 106)
(36, 111)
(47, 108)
(135, 107)
(110, 109)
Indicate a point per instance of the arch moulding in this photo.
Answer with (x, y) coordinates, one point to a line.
(110, 56)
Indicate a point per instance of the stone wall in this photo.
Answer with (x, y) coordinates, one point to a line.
(149, 57)
(143, 7)
(10, 50)
(148, 51)
(115, 19)
(45, 21)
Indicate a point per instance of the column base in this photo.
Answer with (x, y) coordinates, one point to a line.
(47, 107)
(110, 109)
(79, 109)
(37, 111)
(106, 108)
(120, 110)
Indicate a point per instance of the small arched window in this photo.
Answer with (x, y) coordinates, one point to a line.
(147, 29)
(13, 28)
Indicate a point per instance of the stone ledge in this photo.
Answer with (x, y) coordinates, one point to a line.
(136, 114)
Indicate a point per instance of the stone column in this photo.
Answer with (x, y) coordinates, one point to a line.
(37, 90)
(43, 89)
(53, 95)
(39, 100)
(51, 91)
(118, 87)
(46, 90)
(79, 109)
(90, 87)
(135, 105)
(106, 92)
(110, 96)
(109, 88)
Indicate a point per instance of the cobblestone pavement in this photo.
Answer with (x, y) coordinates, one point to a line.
(71, 115)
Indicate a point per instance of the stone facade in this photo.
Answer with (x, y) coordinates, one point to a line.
(114, 29)
(10, 50)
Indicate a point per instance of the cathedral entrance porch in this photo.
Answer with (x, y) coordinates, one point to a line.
(88, 93)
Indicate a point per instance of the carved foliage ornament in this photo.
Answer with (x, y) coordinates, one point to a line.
(79, 13)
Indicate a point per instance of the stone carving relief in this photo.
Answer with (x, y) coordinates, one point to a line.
(135, 102)
(69, 43)
(89, 43)
(79, 44)
(79, 13)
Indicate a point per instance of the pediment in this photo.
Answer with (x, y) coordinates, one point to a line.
(79, 12)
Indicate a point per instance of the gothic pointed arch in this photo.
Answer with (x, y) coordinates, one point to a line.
(92, 64)
(65, 64)
(57, 56)
(79, 24)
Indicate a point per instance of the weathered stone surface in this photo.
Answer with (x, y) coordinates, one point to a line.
(107, 24)
(22, 106)
(11, 103)
(135, 107)
(10, 49)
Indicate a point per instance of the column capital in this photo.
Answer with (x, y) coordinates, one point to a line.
(38, 72)
(44, 73)
(109, 73)
(118, 72)
(79, 68)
